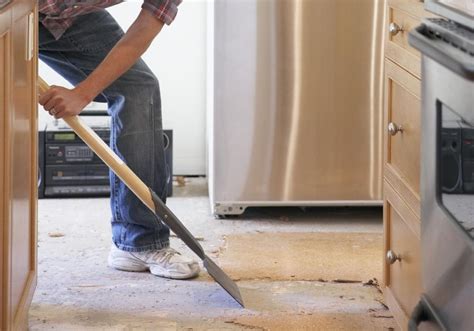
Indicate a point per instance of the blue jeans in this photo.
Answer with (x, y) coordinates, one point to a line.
(134, 105)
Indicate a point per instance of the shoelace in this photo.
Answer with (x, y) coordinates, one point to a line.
(163, 255)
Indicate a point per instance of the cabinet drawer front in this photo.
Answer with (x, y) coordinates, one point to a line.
(397, 48)
(402, 276)
(414, 7)
(406, 23)
(402, 113)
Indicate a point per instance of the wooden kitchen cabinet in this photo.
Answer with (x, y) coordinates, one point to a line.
(402, 112)
(18, 162)
(402, 278)
(402, 137)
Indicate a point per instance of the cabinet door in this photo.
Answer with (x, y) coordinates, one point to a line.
(402, 134)
(19, 163)
(402, 279)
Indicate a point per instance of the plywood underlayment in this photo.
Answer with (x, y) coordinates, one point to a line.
(304, 256)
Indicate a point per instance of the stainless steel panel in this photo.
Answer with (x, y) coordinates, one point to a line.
(447, 248)
(297, 101)
(460, 11)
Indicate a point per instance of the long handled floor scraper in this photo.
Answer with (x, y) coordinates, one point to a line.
(148, 197)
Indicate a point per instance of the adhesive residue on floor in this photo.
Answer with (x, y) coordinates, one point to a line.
(304, 256)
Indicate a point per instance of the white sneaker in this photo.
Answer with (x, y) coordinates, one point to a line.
(165, 262)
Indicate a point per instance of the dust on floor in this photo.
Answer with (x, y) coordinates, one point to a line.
(77, 291)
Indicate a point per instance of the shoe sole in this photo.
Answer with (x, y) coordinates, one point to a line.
(127, 265)
(160, 272)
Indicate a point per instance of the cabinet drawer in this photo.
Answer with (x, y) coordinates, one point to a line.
(402, 130)
(415, 8)
(402, 275)
(405, 22)
(397, 48)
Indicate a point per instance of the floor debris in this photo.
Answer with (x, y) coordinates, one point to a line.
(56, 234)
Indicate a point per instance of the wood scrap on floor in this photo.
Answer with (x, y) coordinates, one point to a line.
(56, 234)
(181, 181)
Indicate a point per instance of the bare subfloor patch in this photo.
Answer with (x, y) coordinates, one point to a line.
(314, 321)
(295, 305)
(304, 256)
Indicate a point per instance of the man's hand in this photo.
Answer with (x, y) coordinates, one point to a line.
(62, 102)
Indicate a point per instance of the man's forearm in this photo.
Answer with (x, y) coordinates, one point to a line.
(127, 51)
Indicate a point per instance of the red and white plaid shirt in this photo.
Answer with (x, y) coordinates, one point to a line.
(58, 15)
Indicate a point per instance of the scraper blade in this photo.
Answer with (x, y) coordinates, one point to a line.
(164, 213)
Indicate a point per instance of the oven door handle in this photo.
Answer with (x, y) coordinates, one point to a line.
(424, 312)
(445, 55)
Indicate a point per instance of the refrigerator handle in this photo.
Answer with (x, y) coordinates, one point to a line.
(424, 312)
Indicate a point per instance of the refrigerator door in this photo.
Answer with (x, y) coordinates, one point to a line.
(297, 107)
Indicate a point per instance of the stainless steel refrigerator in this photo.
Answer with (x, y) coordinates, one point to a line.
(296, 108)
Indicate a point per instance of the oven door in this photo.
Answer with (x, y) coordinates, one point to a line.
(447, 186)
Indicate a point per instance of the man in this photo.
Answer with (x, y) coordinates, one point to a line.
(82, 42)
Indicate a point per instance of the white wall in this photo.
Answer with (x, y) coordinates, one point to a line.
(178, 59)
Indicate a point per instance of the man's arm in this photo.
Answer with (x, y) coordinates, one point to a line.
(68, 102)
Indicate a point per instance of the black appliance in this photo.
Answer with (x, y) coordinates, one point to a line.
(447, 199)
(451, 164)
(457, 157)
(468, 158)
(69, 168)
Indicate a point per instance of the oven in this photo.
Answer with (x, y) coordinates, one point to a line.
(447, 167)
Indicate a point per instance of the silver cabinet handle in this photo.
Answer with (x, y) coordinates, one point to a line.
(394, 28)
(392, 257)
(393, 128)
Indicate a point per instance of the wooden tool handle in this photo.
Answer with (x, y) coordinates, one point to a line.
(104, 152)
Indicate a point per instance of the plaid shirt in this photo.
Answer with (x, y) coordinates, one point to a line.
(58, 15)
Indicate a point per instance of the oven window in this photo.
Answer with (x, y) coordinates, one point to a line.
(456, 167)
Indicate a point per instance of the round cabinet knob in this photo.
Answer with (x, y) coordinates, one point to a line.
(392, 257)
(393, 128)
(394, 28)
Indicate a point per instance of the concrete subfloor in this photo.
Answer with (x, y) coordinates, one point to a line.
(77, 291)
